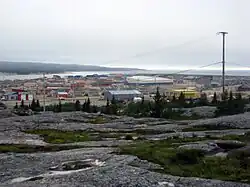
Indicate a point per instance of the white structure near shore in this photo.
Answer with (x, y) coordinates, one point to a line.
(148, 80)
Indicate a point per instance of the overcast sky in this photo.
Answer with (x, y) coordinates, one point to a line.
(176, 33)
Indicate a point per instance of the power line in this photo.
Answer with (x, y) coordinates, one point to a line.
(244, 66)
(157, 50)
(183, 71)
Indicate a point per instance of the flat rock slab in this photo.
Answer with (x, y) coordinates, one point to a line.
(18, 137)
(240, 121)
(28, 170)
(206, 147)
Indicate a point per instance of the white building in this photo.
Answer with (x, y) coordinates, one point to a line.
(148, 80)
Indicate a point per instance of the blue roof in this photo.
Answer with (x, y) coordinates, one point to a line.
(125, 92)
(11, 93)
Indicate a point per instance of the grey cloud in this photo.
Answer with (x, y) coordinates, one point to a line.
(98, 32)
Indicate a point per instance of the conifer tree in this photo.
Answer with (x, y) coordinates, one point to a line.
(214, 100)
(16, 106)
(77, 105)
(60, 106)
(33, 105)
(158, 104)
(88, 105)
(22, 103)
(38, 103)
(181, 99)
(84, 106)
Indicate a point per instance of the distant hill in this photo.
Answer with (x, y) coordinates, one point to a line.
(36, 67)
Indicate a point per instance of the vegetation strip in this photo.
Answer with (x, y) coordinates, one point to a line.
(192, 163)
(61, 137)
(22, 148)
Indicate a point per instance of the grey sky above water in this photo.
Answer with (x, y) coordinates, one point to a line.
(107, 32)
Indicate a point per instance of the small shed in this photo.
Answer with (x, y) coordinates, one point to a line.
(122, 95)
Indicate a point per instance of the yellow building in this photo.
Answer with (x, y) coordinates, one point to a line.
(187, 92)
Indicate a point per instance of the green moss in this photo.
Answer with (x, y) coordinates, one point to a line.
(242, 138)
(20, 148)
(189, 163)
(98, 120)
(151, 131)
(60, 137)
(206, 128)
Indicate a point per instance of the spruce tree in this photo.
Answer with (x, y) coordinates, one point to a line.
(224, 96)
(203, 99)
(173, 98)
(33, 105)
(239, 104)
(230, 96)
(59, 106)
(238, 96)
(113, 101)
(114, 108)
(22, 104)
(158, 104)
(214, 100)
(231, 104)
(16, 106)
(88, 105)
(38, 104)
(142, 100)
(77, 105)
(84, 106)
(107, 110)
(181, 99)
(95, 109)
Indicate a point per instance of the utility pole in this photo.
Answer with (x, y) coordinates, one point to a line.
(44, 92)
(223, 59)
(73, 87)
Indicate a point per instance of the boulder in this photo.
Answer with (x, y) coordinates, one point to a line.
(240, 153)
(209, 148)
(230, 144)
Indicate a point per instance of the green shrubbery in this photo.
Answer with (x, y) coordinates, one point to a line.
(60, 137)
(192, 162)
(161, 107)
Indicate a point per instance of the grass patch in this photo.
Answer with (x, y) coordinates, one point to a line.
(20, 148)
(242, 138)
(151, 131)
(206, 128)
(60, 137)
(189, 163)
(98, 120)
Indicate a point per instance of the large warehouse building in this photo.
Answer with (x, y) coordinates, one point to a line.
(122, 95)
(148, 80)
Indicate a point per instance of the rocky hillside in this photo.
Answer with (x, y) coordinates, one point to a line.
(80, 149)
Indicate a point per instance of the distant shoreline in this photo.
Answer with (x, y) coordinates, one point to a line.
(233, 73)
(25, 68)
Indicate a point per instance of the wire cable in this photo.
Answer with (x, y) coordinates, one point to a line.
(244, 66)
(157, 50)
(183, 71)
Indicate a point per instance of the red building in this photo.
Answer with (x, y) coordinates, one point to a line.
(62, 95)
(24, 96)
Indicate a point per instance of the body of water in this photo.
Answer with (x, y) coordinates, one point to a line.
(84, 73)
